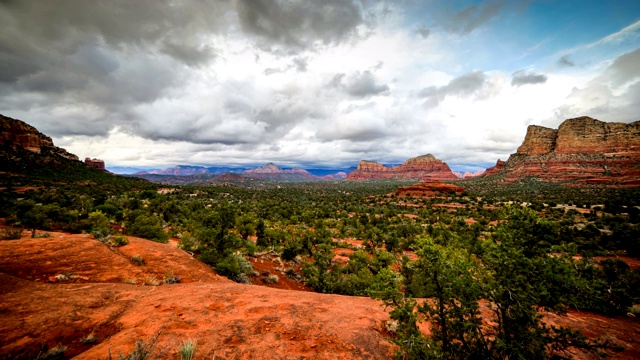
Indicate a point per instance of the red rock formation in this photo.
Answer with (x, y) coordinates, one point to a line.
(95, 163)
(422, 168)
(19, 135)
(497, 168)
(428, 189)
(582, 151)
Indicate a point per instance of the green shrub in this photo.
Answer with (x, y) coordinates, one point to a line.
(137, 259)
(271, 279)
(235, 267)
(188, 242)
(147, 227)
(10, 234)
(119, 240)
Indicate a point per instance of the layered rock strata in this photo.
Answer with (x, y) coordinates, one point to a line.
(19, 136)
(421, 168)
(581, 151)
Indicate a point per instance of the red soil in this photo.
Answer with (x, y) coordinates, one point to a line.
(229, 320)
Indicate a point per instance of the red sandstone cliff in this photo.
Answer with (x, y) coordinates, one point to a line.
(421, 168)
(582, 150)
(19, 136)
(95, 163)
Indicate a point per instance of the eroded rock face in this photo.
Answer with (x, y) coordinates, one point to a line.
(539, 140)
(19, 135)
(95, 163)
(583, 151)
(428, 189)
(421, 168)
(495, 169)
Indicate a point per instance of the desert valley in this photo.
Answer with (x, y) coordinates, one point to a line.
(272, 263)
(319, 179)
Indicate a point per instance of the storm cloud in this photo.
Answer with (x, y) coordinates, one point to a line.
(169, 82)
(463, 86)
(522, 77)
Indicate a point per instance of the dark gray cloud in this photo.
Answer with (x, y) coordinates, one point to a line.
(189, 55)
(464, 85)
(423, 31)
(565, 61)
(523, 77)
(359, 84)
(612, 96)
(299, 24)
(103, 57)
(625, 68)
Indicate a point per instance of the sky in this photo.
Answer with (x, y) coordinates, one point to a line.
(316, 84)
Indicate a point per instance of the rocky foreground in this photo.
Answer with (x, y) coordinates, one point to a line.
(59, 290)
(583, 150)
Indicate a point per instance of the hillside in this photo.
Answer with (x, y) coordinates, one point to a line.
(30, 158)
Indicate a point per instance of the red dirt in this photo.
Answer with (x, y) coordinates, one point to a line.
(285, 282)
(633, 263)
(341, 255)
(229, 320)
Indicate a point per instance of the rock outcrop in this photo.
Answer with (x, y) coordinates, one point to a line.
(20, 136)
(428, 189)
(421, 168)
(95, 163)
(495, 169)
(581, 151)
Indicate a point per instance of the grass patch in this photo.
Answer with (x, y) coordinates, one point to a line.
(89, 339)
(187, 350)
(151, 280)
(137, 259)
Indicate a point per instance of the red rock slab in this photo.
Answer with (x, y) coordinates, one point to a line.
(85, 259)
(228, 320)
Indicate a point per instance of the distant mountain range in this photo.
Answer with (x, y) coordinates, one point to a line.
(581, 152)
(269, 172)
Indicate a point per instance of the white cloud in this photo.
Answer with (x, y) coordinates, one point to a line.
(338, 82)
